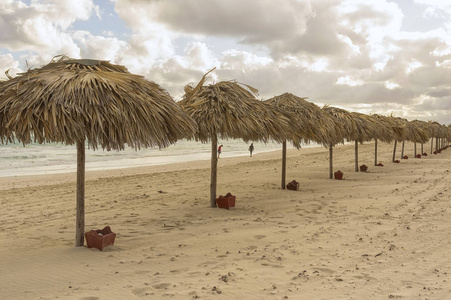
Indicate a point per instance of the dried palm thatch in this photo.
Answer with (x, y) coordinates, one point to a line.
(347, 120)
(417, 131)
(227, 110)
(395, 126)
(75, 100)
(72, 101)
(313, 124)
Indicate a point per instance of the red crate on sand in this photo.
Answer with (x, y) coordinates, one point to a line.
(338, 175)
(100, 238)
(226, 201)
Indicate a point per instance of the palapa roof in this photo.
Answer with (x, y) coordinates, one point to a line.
(229, 109)
(418, 131)
(357, 126)
(72, 100)
(396, 124)
(438, 130)
(369, 128)
(313, 123)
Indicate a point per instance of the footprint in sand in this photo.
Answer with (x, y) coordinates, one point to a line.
(90, 298)
(162, 286)
(259, 236)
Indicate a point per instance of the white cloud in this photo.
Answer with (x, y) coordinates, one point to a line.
(391, 85)
(41, 25)
(346, 80)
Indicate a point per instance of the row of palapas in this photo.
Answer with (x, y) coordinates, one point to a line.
(79, 101)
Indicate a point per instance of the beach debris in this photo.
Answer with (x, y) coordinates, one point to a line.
(171, 226)
(216, 290)
(363, 168)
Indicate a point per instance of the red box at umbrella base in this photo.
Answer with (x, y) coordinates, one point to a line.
(226, 201)
(338, 175)
(100, 238)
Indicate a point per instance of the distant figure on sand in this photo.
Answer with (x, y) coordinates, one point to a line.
(219, 150)
(251, 148)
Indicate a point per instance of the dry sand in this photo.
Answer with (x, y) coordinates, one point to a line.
(377, 235)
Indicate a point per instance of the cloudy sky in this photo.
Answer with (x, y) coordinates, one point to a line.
(378, 56)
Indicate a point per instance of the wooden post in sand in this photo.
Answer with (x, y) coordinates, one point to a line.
(402, 150)
(432, 143)
(284, 163)
(214, 169)
(356, 156)
(394, 151)
(375, 152)
(331, 167)
(80, 219)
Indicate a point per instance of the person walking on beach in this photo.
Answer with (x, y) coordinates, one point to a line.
(219, 150)
(251, 148)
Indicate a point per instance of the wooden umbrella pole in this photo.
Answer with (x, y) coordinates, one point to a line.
(284, 163)
(375, 152)
(394, 151)
(436, 144)
(214, 169)
(356, 156)
(80, 225)
(331, 167)
(415, 149)
(402, 150)
(432, 143)
(422, 148)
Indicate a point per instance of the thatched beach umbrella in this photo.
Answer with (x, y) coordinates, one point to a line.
(313, 123)
(370, 128)
(350, 129)
(383, 131)
(412, 132)
(78, 101)
(399, 126)
(417, 132)
(229, 110)
(440, 132)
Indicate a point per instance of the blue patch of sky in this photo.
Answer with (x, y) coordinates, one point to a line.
(109, 22)
(414, 19)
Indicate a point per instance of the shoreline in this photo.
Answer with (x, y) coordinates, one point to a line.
(380, 234)
(20, 181)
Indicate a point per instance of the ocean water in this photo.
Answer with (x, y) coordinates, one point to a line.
(53, 158)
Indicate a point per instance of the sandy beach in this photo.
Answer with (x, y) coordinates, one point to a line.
(383, 234)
